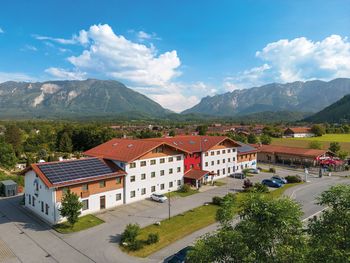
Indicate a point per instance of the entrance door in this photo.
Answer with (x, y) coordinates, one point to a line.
(102, 202)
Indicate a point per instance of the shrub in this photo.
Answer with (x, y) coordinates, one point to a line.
(130, 233)
(135, 245)
(152, 238)
(272, 170)
(217, 200)
(229, 198)
(247, 185)
(185, 188)
(260, 188)
(293, 179)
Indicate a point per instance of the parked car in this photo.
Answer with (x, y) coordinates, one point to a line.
(279, 179)
(179, 257)
(253, 171)
(238, 175)
(271, 183)
(159, 198)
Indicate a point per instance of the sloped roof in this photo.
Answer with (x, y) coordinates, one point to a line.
(245, 148)
(193, 143)
(195, 174)
(299, 129)
(64, 173)
(125, 150)
(290, 150)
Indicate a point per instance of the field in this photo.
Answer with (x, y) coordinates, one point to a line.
(343, 139)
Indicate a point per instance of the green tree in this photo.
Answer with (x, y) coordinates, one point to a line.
(342, 154)
(172, 133)
(318, 130)
(315, 145)
(225, 213)
(202, 129)
(330, 232)
(7, 155)
(64, 143)
(252, 138)
(70, 207)
(130, 233)
(265, 139)
(334, 147)
(13, 136)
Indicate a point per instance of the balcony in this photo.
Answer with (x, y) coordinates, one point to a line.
(85, 194)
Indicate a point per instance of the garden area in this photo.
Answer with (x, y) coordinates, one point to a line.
(84, 222)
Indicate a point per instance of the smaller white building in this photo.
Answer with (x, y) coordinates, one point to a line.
(298, 132)
(98, 183)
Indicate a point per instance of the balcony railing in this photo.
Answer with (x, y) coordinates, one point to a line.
(84, 194)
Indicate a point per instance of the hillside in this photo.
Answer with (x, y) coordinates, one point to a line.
(60, 99)
(338, 112)
(309, 96)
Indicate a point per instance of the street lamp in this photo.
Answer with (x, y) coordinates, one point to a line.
(169, 203)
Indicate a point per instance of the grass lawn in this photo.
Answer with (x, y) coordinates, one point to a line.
(182, 194)
(343, 139)
(219, 183)
(182, 225)
(83, 223)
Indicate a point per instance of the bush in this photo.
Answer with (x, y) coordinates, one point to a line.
(185, 188)
(228, 198)
(260, 188)
(247, 185)
(135, 245)
(293, 179)
(217, 200)
(130, 233)
(152, 238)
(272, 170)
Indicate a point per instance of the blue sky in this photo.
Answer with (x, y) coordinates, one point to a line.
(175, 52)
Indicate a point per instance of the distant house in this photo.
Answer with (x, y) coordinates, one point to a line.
(298, 132)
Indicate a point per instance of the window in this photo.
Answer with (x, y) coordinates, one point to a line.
(102, 184)
(153, 174)
(132, 165)
(118, 197)
(153, 188)
(178, 169)
(228, 170)
(162, 187)
(170, 170)
(212, 162)
(223, 171)
(171, 184)
(223, 151)
(228, 160)
(33, 201)
(42, 207)
(161, 172)
(170, 159)
(229, 150)
(118, 180)
(206, 164)
(218, 172)
(178, 158)
(30, 199)
(218, 161)
(223, 160)
(37, 187)
(178, 182)
(46, 209)
(206, 154)
(132, 178)
(233, 159)
(132, 194)
(162, 160)
(212, 153)
(85, 204)
(153, 162)
(143, 191)
(84, 187)
(217, 152)
(143, 163)
(143, 176)
(233, 150)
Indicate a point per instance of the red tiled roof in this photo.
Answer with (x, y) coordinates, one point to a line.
(300, 129)
(195, 174)
(194, 143)
(125, 150)
(290, 150)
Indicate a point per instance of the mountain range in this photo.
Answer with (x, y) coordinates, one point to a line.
(309, 96)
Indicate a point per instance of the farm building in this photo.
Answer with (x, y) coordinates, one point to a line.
(298, 132)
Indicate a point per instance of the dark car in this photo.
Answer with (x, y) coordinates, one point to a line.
(279, 179)
(271, 183)
(238, 175)
(179, 257)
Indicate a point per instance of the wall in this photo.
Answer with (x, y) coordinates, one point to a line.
(192, 161)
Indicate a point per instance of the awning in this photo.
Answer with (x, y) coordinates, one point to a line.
(195, 174)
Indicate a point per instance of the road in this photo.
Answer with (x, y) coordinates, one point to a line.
(24, 238)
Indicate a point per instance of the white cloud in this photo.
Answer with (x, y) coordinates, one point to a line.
(1, 31)
(29, 48)
(142, 36)
(81, 38)
(298, 59)
(15, 76)
(61, 73)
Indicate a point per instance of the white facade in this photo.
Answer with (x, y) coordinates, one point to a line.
(252, 164)
(153, 175)
(220, 161)
(303, 135)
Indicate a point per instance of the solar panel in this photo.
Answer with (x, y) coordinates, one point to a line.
(67, 171)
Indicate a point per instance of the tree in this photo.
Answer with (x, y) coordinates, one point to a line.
(330, 232)
(318, 130)
(315, 145)
(252, 138)
(64, 142)
(202, 129)
(13, 136)
(172, 133)
(7, 155)
(130, 233)
(342, 155)
(225, 213)
(265, 139)
(71, 207)
(334, 147)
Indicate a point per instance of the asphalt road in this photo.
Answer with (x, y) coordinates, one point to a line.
(24, 238)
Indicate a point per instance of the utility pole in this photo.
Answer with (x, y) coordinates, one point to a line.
(169, 202)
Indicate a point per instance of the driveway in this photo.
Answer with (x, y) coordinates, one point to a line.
(32, 241)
